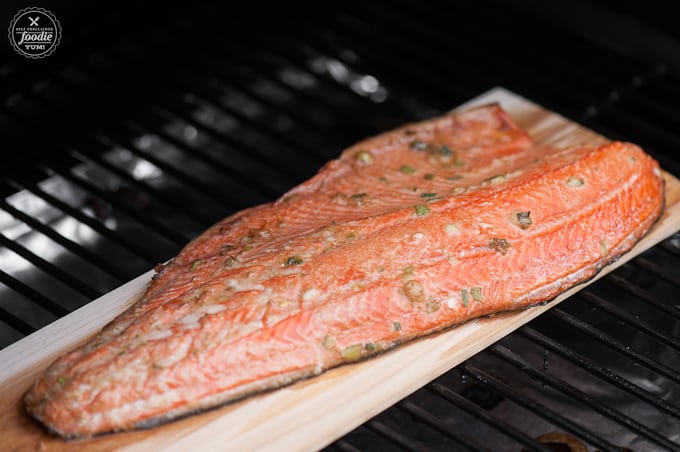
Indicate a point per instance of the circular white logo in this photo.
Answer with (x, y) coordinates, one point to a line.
(34, 32)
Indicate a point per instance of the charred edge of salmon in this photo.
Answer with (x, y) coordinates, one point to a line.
(588, 273)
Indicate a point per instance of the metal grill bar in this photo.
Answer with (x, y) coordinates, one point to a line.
(594, 300)
(49, 268)
(151, 222)
(70, 245)
(538, 409)
(670, 309)
(258, 69)
(32, 294)
(188, 210)
(576, 394)
(435, 423)
(599, 371)
(345, 446)
(655, 269)
(393, 436)
(464, 404)
(15, 322)
(608, 340)
(119, 239)
(195, 152)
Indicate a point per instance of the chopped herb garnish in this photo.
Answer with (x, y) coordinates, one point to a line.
(445, 150)
(432, 305)
(247, 247)
(364, 157)
(476, 293)
(421, 210)
(352, 353)
(499, 245)
(370, 346)
(418, 145)
(293, 260)
(358, 195)
(397, 326)
(455, 177)
(459, 163)
(350, 236)
(408, 270)
(328, 342)
(195, 264)
(231, 260)
(225, 248)
(428, 195)
(414, 290)
(495, 179)
(384, 179)
(428, 176)
(604, 247)
(451, 229)
(405, 169)
(464, 296)
(62, 380)
(575, 181)
(523, 219)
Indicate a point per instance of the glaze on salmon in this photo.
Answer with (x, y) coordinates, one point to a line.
(406, 234)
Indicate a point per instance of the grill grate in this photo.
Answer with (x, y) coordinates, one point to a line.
(130, 147)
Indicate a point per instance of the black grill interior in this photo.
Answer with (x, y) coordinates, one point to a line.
(147, 125)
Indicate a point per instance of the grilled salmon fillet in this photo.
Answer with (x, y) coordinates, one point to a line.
(405, 234)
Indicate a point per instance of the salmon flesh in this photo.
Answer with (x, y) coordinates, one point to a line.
(403, 235)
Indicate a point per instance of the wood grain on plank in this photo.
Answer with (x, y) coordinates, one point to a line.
(311, 413)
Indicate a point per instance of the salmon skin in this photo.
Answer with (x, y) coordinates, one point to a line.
(405, 234)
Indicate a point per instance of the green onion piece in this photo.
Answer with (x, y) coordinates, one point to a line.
(476, 293)
(604, 247)
(247, 247)
(195, 264)
(432, 306)
(62, 380)
(370, 346)
(231, 260)
(328, 342)
(397, 326)
(364, 157)
(293, 260)
(495, 179)
(414, 290)
(421, 210)
(418, 145)
(464, 296)
(405, 169)
(384, 179)
(445, 150)
(499, 245)
(358, 195)
(227, 247)
(428, 176)
(352, 353)
(428, 195)
(455, 177)
(575, 181)
(524, 220)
